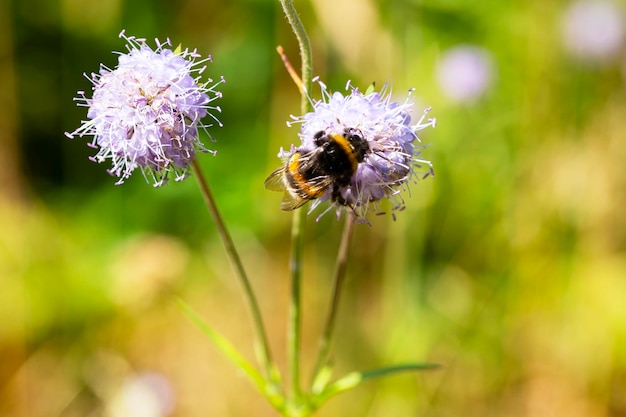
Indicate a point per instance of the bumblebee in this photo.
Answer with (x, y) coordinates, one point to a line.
(329, 166)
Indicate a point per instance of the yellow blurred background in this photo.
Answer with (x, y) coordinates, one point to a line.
(507, 268)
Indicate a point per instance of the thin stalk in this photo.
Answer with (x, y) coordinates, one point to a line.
(305, 51)
(299, 217)
(295, 308)
(338, 280)
(253, 306)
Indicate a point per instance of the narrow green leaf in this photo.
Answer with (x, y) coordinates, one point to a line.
(321, 379)
(353, 379)
(408, 367)
(269, 390)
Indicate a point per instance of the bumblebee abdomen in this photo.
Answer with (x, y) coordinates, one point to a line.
(339, 160)
(300, 175)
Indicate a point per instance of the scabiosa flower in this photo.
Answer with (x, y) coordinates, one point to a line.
(594, 30)
(146, 112)
(148, 394)
(391, 160)
(465, 72)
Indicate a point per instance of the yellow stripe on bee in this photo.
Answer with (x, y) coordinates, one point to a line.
(299, 182)
(347, 148)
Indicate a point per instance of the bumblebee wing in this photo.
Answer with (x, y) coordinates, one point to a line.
(315, 189)
(318, 185)
(276, 180)
(292, 202)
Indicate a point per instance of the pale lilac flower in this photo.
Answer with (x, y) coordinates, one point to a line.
(593, 30)
(149, 394)
(465, 72)
(146, 112)
(392, 160)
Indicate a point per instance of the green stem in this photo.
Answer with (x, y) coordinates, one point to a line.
(305, 52)
(265, 356)
(295, 311)
(338, 280)
(299, 217)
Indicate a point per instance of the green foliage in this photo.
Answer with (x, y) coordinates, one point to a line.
(507, 268)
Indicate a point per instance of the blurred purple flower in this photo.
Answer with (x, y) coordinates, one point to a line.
(146, 112)
(593, 30)
(149, 394)
(465, 72)
(392, 159)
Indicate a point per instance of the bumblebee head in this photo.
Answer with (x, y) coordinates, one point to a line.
(357, 142)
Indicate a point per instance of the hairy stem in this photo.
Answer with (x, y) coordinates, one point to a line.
(297, 231)
(253, 306)
(305, 51)
(338, 280)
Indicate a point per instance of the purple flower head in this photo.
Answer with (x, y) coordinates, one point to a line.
(594, 30)
(392, 159)
(465, 72)
(146, 113)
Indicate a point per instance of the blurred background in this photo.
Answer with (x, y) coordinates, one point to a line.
(507, 268)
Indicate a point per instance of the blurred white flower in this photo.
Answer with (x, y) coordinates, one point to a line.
(145, 395)
(465, 72)
(593, 30)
